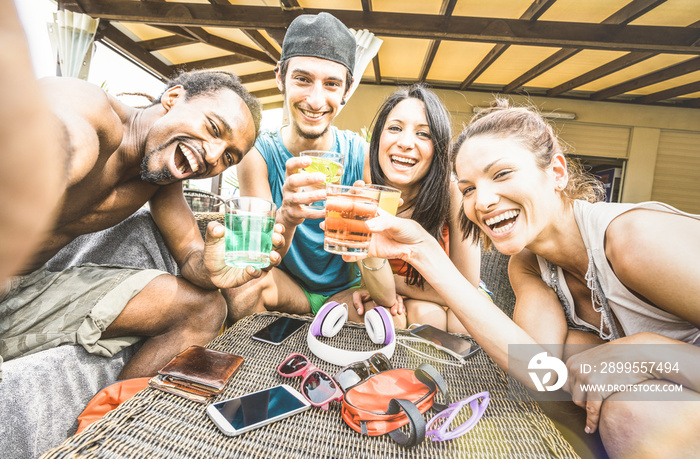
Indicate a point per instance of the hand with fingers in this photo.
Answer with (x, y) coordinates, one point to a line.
(225, 276)
(362, 296)
(299, 191)
(589, 389)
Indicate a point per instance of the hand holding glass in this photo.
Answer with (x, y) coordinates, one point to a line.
(330, 163)
(347, 210)
(249, 225)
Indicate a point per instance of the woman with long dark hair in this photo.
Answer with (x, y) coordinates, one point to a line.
(410, 150)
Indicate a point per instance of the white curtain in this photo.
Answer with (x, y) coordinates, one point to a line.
(72, 36)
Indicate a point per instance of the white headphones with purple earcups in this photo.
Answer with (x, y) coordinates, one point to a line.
(331, 318)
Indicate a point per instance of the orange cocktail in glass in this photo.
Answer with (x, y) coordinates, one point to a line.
(347, 210)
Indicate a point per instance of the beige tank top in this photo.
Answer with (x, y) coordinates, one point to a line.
(607, 292)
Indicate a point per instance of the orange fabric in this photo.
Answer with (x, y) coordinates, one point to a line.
(108, 399)
(400, 267)
(368, 401)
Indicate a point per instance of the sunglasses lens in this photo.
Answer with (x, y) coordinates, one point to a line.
(293, 364)
(380, 363)
(319, 387)
(347, 378)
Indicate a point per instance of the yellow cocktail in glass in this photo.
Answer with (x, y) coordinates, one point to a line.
(389, 198)
(329, 163)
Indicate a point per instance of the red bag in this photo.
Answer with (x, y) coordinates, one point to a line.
(387, 401)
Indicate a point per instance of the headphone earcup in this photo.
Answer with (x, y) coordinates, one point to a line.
(380, 327)
(332, 317)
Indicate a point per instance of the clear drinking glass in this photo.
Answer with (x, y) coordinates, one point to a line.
(388, 198)
(330, 163)
(249, 225)
(347, 210)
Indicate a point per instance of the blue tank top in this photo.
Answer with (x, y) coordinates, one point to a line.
(316, 270)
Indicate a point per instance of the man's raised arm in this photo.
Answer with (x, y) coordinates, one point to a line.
(32, 164)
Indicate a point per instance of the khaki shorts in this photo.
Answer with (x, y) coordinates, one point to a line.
(44, 309)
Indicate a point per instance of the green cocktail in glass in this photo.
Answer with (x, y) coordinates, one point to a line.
(249, 226)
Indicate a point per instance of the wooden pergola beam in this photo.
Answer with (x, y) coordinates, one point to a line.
(691, 65)
(623, 16)
(115, 39)
(446, 10)
(536, 9)
(599, 72)
(670, 93)
(678, 40)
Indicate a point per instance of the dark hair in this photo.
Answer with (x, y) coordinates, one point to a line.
(283, 66)
(431, 208)
(204, 82)
(530, 129)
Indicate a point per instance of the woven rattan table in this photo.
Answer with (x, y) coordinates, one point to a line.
(154, 424)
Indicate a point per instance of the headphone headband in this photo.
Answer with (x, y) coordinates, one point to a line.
(329, 320)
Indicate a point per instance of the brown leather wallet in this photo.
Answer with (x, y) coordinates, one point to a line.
(197, 372)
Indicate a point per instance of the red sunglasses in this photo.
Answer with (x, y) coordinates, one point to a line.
(316, 385)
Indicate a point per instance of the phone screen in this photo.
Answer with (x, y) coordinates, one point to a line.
(444, 339)
(279, 330)
(257, 409)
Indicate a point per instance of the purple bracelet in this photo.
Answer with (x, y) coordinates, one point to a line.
(442, 433)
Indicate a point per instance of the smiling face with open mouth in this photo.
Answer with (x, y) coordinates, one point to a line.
(406, 146)
(313, 89)
(504, 191)
(198, 137)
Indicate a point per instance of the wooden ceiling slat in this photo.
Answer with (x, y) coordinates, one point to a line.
(266, 93)
(255, 77)
(277, 35)
(673, 71)
(429, 58)
(552, 61)
(172, 41)
(537, 9)
(669, 93)
(261, 42)
(694, 103)
(446, 10)
(632, 11)
(623, 16)
(485, 63)
(118, 41)
(534, 11)
(179, 31)
(290, 4)
(540, 33)
(599, 72)
(377, 70)
(222, 61)
(228, 45)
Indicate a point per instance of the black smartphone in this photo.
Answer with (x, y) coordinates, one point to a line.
(279, 331)
(248, 412)
(457, 345)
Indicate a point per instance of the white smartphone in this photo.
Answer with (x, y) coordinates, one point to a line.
(279, 331)
(459, 346)
(241, 414)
